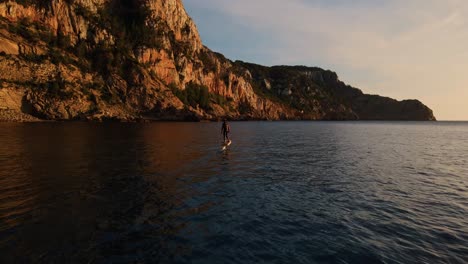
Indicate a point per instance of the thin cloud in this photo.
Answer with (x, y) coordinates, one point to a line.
(403, 49)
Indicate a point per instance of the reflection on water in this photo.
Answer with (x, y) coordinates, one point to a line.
(296, 192)
(93, 191)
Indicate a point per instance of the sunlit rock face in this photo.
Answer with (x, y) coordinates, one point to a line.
(144, 59)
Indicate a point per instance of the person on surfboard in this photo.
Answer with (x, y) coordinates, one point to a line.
(225, 129)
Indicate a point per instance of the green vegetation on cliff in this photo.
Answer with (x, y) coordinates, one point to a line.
(194, 95)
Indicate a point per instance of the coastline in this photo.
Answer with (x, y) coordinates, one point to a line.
(9, 115)
(14, 116)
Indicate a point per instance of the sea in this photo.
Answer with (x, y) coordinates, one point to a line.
(283, 192)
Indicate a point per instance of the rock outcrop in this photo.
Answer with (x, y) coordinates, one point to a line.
(143, 59)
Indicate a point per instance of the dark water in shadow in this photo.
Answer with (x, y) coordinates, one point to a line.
(285, 192)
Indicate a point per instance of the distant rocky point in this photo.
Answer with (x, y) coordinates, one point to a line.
(133, 60)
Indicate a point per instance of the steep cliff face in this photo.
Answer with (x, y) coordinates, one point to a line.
(133, 59)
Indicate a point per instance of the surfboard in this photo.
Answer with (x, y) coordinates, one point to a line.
(227, 144)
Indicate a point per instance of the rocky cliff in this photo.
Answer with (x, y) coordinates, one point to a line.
(143, 59)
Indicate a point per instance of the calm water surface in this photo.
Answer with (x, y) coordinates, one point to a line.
(284, 192)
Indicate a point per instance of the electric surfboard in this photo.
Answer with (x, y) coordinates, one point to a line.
(226, 144)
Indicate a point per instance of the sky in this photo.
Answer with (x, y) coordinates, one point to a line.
(404, 49)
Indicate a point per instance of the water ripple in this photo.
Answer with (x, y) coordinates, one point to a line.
(284, 192)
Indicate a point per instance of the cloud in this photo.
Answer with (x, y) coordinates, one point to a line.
(398, 48)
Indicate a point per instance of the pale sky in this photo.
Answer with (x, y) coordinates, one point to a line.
(405, 49)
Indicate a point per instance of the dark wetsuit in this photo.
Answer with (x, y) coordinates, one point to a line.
(225, 131)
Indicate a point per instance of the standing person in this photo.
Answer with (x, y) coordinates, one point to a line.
(225, 129)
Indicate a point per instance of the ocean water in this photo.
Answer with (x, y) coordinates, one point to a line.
(284, 192)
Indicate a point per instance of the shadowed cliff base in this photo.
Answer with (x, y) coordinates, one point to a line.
(143, 60)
